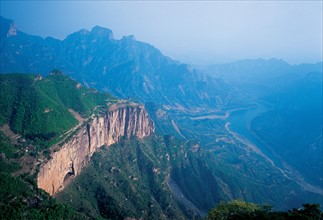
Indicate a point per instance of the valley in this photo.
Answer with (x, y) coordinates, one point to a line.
(240, 127)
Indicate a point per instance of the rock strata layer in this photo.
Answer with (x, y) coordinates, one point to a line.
(120, 120)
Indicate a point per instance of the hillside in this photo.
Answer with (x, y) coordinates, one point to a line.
(131, 179)
(296, 134)
(38, 112)
(289, 126)
(35, 113)
(42, 108)
(44, 104)
(19, 196)
(26, 153)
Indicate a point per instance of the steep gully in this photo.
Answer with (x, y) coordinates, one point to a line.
(106, 129)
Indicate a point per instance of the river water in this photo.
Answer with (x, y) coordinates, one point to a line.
(240, 123)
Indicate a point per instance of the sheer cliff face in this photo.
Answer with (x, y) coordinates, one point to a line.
(126, 120)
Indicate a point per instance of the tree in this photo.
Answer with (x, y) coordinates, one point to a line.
(237, 209)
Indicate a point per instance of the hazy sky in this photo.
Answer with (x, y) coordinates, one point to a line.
(189, 31)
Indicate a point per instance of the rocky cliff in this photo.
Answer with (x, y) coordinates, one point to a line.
(106, 129)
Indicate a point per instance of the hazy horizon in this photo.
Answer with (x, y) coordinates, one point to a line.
(197, 33)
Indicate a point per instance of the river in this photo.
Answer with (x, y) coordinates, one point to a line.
(240, 124)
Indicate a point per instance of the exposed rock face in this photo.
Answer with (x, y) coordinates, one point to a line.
(12, 30)
(125, 120)
(7, 28)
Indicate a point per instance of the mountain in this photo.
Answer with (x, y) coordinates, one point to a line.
(54, 127)
(260, 70)
(36, 114)
(131, 179)
(190, 107)
(42, 108)
(260, 76)
(296, 129)
(125, 67)
(291, 126)
(136, 174)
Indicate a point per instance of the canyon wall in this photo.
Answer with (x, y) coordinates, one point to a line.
(120, 120)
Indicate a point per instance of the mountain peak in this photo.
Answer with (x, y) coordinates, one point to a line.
(129, 38)
(84, 31)
(102, 32)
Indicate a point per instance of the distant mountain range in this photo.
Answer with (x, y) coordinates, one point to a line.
(260, 75)
(260, 69)
(126, 67)
(293, 125)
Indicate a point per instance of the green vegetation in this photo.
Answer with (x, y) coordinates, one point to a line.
(19, 196)
(6, 149)
(161, 178)
(158, 177)
(38, 108)
(129, 179)
(240, 210)
(20, 200)
(236, 209)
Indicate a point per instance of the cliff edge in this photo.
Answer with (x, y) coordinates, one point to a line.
(106, 129)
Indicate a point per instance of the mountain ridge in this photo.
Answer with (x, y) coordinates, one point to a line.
(114, 65)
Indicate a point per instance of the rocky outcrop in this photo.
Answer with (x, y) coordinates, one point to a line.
(120, 120)
(7, 28)
(12, 30)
